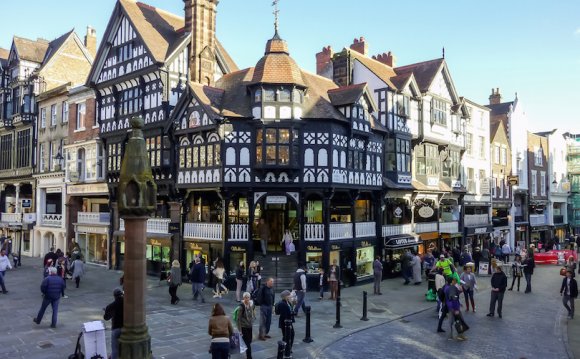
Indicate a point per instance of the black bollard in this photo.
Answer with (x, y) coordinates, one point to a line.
(337, 324)
(364, 317)
(281, 348)
(288, 332)
(307, 338)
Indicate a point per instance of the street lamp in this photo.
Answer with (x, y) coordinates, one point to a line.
(58, 158)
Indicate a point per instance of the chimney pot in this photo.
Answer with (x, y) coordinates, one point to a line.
(323, 58)
(360, 46)
(91, 41)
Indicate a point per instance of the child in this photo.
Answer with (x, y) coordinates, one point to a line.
(322, 283)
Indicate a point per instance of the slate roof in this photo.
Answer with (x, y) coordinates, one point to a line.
(346, 95)
(55, 44)
(424, 72)
(400, 81)
(500, 108)
(210, 98)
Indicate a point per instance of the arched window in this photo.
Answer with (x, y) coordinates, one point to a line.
(230, 156)
(322, 157)
(244, 157)
(308, 157)
(335, 159)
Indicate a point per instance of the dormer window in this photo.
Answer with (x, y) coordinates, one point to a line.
(269, 95)
(258, 95)
(297, 96)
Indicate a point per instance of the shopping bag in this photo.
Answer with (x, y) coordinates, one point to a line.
(243, 346)
(235, 341)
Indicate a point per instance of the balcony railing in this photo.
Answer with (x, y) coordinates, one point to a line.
(340, 231)
(93, 217)
(476, 219)
(52, 220)
(154, 225)
(449, 227)
(558, 219)
(314, 232)
(537, 220)
(238, 232)
(11, 217)
(394, 229)
(365, 229)
(425, 227)
(206, 231)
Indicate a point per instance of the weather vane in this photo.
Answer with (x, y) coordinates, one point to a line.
(275, 12)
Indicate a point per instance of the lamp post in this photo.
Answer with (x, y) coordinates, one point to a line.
(58, 158)
(136, 197)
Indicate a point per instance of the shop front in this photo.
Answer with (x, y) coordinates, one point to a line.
(393, 249)
(521, 235)
(364, 257)
(93, 242)
(208, 251)
(541, 237)
(157, 253)
(236, 252)
(475, 236)
(429, 240)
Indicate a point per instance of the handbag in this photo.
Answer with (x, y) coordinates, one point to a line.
(459, 326)
(563, 271)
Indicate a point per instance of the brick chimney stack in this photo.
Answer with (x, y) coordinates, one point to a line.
(200, 22)
(91, 41)
(495, 97)
(323, 58)
(360, 45)
(386, 58)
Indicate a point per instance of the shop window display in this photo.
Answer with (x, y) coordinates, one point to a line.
(364, 261)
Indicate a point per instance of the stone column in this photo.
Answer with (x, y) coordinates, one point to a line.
(17, 208)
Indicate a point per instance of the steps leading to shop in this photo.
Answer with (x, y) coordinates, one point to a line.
(287, 266)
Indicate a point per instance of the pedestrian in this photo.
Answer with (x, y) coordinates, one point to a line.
(174, 281)
(416, 266)
(47, 266)
(266, 302)
(114, 312)
(498, 286)
(445, 265)
(529, 265)
(285, 312)
(468, 284)
(465, 257)
(300, 288)
(239, 281)
(50, 255)
(438, 283)
(51, 288)
(61, 272)
(4, 265)
(477, 256)
(454, 309)
(322, 280)
(220, 329)
(571, 265)
(517, 272)
(429, 261)
(245, 320)
(78, 269)
(569, 292)
(441, 303)
(218, 272)
(197, 278)
(288, 242)
(264, 231)
(406, 268)
(333, 278)
(377, 275)
(252, 281)
(456, 255)
(506, 251)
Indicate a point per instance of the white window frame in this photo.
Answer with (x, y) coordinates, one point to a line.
(50, 156)
(64, 112)
(496, 158)
(503, 154)
(482, 147)
(469, 143)
(41, 160)
(53, 115)
(542, 183)
(493, 187)
(43, 117)
(78, 119)
(534, 180)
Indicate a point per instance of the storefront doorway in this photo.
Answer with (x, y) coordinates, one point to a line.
(279, 214)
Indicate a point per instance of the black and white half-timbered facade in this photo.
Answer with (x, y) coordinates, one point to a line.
(143, 65)
(274, 142)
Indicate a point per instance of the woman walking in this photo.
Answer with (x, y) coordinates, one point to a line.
(239, 281)
(78, 269)
(174, 281)
(571, 266)
(416, 265)
(252, 283)
(218, 272)
(469, 284)
(220, 329)
(246, 316)
(517, 271)
(333, 278)
(454, 307)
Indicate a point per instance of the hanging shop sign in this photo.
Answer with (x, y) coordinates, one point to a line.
(398, 212)
(426, 212)
(276, 200)
(513, 180)
(400, 242)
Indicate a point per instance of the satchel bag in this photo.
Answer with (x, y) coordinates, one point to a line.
(563, 271)
(459, 326)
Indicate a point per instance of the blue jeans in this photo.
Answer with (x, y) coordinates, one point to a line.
(115, 334)
(54, 304)
(300, 301)
(265, 319)
(220, 350)
(2, 281)
(528, 282)
(197, 289)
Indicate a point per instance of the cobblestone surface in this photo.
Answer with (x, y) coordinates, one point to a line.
(181, 331)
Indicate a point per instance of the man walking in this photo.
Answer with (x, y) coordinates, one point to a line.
(300, 288)
(114, 311)
(266, 301)
(52, 287)
(378, 275)
(498, 286)
(569, 292)
(197, 276)
(506, 250)
(4, 264)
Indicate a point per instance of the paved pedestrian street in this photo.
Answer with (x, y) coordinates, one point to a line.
(532, 326)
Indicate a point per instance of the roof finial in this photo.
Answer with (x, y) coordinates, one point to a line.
(275, 12)
(443, 51)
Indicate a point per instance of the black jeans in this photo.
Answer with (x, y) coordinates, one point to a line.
(514, 280)
(220, 350)
(288, 340)
(173, 294)
(442, 314)
(496, 297)
(528, 282)
(78, 281)
(247, 336)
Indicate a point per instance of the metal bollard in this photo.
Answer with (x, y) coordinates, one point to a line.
(307, 338)
(288, 332)
(281, 348)
(364, 317)
(337, 324)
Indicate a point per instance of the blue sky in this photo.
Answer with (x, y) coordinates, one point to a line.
(530, 47)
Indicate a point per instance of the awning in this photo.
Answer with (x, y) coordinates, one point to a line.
(451, 235)
(401, 241)
(427, 236)
(470, 231)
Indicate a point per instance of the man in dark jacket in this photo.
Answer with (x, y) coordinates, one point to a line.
(498, 286)
(284, 310)
(114, 311)
(529, 265)
(569, 292)
(52, 287)
(197, 277)
(300, 288)
(266, 301)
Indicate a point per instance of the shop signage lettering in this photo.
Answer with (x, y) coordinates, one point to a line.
(237, 249)
(401, 241)
(194, 247)
(365, 244)
(398, 212)
(314, 248)
(155, 242)
(335, 247)
(88, 188)
(480, 230)
(276, 200)
(426, 212)
(54, 190)
(26, 203)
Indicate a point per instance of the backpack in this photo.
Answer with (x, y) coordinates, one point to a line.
(257, 296)
(235, 314)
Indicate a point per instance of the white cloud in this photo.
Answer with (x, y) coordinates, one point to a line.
(577, 32)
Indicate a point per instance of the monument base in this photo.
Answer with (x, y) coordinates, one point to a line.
(135, 343)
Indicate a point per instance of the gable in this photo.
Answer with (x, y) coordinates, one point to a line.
(194, 115)
(72, 55)
(439, 87)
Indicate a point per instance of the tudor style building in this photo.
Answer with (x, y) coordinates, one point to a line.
(501, 192)
(144, 63)
(274, 142)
